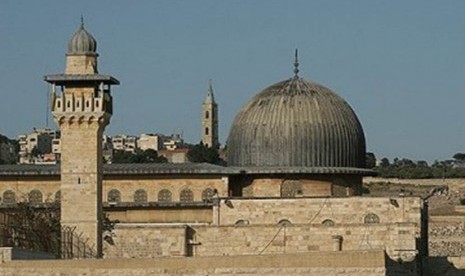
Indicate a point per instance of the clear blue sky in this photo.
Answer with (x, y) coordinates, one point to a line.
(400, 64)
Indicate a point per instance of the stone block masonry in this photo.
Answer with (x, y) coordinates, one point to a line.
(351, 210)
(154, 241)
(350, 263)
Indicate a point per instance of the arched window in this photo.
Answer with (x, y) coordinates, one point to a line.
(242, 222)
(114, 196)
(58, 196)
(207, 114)
(206, 131)
(284, 222)
(9, 197)
(328, 222)
(35, 197)
(371, 218)
(291, 188)
(164, 196)
(140, 196)
(186, 196)
(207, 194)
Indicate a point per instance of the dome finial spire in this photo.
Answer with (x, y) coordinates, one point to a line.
(296, 64)
(82, 20)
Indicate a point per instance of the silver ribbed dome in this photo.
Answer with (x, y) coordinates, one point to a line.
(296, 123)
(82, 42)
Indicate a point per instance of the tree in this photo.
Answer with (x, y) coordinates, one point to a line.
(384, 163)
(35, 227)
(200, 153)
(459, 156)
(147, 156)
(370, 160)
(121, 156)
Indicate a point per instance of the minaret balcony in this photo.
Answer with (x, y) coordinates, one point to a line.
(81, 104)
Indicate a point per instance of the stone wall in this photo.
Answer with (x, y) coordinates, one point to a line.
(152, 241)
(314, 185)
(353, 263)
(352, 210)
(447, 238)
(22, 185)
(451, 182)
(146, 241)
(126, 185)
(161, 215)
(275, 239)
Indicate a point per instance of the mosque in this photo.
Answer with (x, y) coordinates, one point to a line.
(293, 184)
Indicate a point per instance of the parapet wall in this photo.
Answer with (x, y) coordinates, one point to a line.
(153, 241)
(398, 240)
(146, 241)
(351, 263)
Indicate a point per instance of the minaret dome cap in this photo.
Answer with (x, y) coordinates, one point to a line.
(82, 42)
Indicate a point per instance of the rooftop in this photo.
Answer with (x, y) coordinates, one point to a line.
(183, 168)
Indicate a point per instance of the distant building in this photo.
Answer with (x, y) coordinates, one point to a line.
(125, 143)
(150, 141)
(33, 146)
(175, 155)
(173, 142)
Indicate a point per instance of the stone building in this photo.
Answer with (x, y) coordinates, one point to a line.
(293, 185)
(123, 142)
(35, 144)
(150, 141)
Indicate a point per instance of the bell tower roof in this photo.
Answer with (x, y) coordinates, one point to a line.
(210, 97)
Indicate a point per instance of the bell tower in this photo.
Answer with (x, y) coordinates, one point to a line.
(210, 120)
(82, 108)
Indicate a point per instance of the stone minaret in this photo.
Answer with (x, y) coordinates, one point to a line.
(210, 120)
(82, 109)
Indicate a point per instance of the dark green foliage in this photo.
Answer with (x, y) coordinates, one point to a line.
(4, 139)
(459, 156)
(408, 169)
(38, 228)
(370, 160)
(147, 156)
(13, 158)
(34, 227)
(200, 153)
